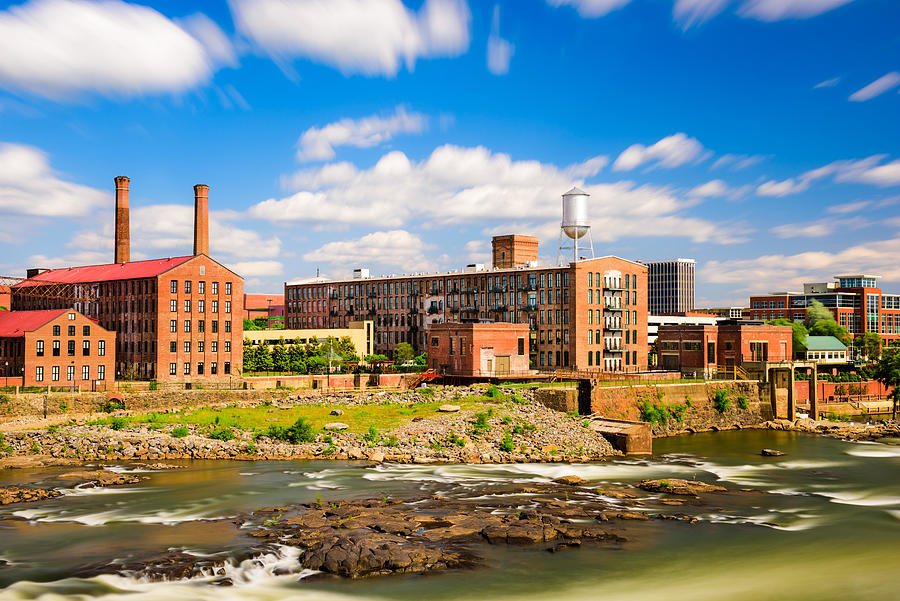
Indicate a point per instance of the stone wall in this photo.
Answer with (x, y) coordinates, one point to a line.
(558, 399)
(685, 407)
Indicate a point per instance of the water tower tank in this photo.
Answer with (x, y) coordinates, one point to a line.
(575, 213)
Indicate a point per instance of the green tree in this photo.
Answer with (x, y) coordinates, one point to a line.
(869, 345)
(262, 323)
(887, 371)
(263, 358)
(421, 360)
(817, 312)
(798, 336)
(280, 360)
(404, 352)
(297, 357)
(250, 325)
(249, 356)
(831, 328)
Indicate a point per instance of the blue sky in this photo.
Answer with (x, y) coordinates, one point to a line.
(759, 137)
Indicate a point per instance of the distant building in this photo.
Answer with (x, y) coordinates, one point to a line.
(727, 312)
(359, 332)
(691, 319)
(699, 350)
(485, 350)
(855, 301)
(263, 305)
(5, 298)
(670, 286)
(824, 349)
(55, 348)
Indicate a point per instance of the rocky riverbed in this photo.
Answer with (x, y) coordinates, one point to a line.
(451, 530)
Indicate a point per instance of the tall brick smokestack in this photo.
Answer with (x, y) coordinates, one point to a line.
(123, 230)
(201, 219)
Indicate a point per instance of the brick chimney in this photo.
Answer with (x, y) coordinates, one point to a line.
(201, 219)
(123, 230)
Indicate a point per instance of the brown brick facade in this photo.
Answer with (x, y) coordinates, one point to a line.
(704, 348)
(478, 349)
(513, 250)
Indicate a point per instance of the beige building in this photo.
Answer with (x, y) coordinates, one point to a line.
(360, 332)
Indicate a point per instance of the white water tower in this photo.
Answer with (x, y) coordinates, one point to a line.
(574, 229)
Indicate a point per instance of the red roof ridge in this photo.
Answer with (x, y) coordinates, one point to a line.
(14, 324)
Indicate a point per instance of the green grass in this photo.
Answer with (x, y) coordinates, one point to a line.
(359, 418)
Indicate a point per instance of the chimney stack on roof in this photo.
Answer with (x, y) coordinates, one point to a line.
(123, 231)
(201, 219)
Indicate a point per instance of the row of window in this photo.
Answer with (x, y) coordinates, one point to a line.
(201, 370)
(201, 287)
(201, 346)
(768, 304)
(70, 373)
(201, 326)
(70, 331)
(201, 306)
(596, 337)
(595, 358)
(70, 348)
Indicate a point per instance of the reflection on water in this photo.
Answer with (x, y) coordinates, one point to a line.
(829, 531)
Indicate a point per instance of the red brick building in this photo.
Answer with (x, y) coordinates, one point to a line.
(478, 349)
(856, 302)
(263, 305)
(58, 347)
(701, 349)
(589, 314)
(5, 299)
(176, 319)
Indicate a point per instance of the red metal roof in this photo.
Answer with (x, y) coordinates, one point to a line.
(106, 273)
(260, 302)
(14, 324)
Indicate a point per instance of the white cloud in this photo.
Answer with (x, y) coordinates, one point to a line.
(499, 51)
(738, 162)
(591, 8)
(257, 269)
(863, 171)
(776, 10)
(819, 228)
(879, 86)
(395, 248)
(694, 12)
(714, 188)
(319, 143)
(28, 186)
(453, 185)
(848, 207)
(780, 272)
(60, 48)
(372, 37)
(828, 83)
(671, 151)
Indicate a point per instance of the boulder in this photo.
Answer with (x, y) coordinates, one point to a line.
(677, 486)
(376, 456)
(571, 480)
(337, 412)
(771, 453)
(336, 426)
(448, 408)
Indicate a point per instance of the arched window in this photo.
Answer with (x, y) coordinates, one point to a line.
(590, 336)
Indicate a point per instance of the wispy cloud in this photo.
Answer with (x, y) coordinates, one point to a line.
(777, 10)
(828, 83)
(864, 171)
(671, 151)
(738, 162)
(591, 8)
(499, 51)
(688, 13)
(371, 37)
(876, 88)
(317, 144)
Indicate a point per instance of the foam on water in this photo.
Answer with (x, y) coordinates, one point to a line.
(860, 498)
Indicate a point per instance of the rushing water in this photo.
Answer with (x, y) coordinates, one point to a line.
(830, 530)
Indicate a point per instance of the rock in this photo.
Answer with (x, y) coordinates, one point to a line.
(677, 486)
(571, 480)
(376, 456)
(632, 515)
(336, 426)
(448, 408)
(771, 453)
(337, 412)
(15, 494)
(354, 453)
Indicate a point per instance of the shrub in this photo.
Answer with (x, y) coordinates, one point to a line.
(742, 402)
(301, 431)
(53, 429)
(117, 423)
(838, 417)
(180, 432)
(721, 401)
(506, 443)
(429, 392)
(113, 405)
(393, 442)
(677, 412)
(481, 423)
(519, 429)
(35, 447)
(4, 446)
(492, 392)
(223, 434)
(154, 385)
(456, 440)
(372, 434)
(506, 420)
(655, 413)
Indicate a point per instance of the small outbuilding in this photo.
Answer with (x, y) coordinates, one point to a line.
(482, 350)
(824, 349)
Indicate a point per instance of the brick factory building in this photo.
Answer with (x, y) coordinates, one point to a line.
(55, 348)
(671, 286)
(856, 302)
(263, 305)
(701, 349)
(589, 314)
(176, 319)
(483, 350)
(5, 300)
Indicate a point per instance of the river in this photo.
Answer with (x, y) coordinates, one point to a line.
(829, 529)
